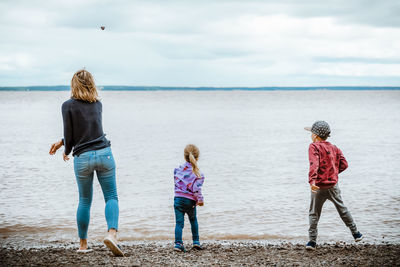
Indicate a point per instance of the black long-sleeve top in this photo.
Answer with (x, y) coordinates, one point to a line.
(83, 129)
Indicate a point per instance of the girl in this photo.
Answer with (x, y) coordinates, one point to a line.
(188, 182)
(83, 135)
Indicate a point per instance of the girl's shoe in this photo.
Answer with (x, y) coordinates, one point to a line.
(179, 247)
(113, 246)
(358, 236)
(311, 245)
(197, 246)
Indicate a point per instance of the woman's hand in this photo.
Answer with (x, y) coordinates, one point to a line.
(200, 203)
(55, 147)
(65, 157)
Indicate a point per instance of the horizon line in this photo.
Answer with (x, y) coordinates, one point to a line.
(197, 88)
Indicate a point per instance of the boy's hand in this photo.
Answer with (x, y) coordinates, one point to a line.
(200, 203)
(314, 188)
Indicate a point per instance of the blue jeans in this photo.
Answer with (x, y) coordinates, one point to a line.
(181, 206)
(101, 161)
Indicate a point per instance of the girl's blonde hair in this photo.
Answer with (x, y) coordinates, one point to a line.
(192, 154)
(83, 86)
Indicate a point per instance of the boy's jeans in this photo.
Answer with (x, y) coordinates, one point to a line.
(101, 161)
(317, 201)
(181, 206)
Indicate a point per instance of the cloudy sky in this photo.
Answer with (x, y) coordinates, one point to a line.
(201, 42)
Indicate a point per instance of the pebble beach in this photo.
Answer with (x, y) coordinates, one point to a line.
(216, 253)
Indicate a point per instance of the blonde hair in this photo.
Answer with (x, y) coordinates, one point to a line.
(192, 154)
(83, 86)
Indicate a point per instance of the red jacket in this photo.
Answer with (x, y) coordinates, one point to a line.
(326, 162)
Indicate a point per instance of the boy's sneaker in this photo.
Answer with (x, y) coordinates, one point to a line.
(179, 247)
(197, 246)
(358, 236)
(311, 245)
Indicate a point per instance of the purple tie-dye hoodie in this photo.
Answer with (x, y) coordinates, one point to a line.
(187, 184)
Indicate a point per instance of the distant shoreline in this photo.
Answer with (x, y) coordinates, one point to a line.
(170, 88)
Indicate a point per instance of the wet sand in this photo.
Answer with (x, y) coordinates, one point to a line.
(218, 253)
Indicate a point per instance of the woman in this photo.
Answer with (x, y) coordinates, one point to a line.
(83, 134)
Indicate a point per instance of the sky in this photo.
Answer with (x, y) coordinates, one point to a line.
(217, 43)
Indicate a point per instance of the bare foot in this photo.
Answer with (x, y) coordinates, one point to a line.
(83, 244)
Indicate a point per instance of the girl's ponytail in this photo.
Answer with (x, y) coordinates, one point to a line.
(192, 154)
(193, 161)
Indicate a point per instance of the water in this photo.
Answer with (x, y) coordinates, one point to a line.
(253, 153)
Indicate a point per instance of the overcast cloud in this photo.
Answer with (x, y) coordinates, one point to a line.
(201, 43)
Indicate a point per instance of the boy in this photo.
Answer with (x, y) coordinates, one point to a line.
(326, 162)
